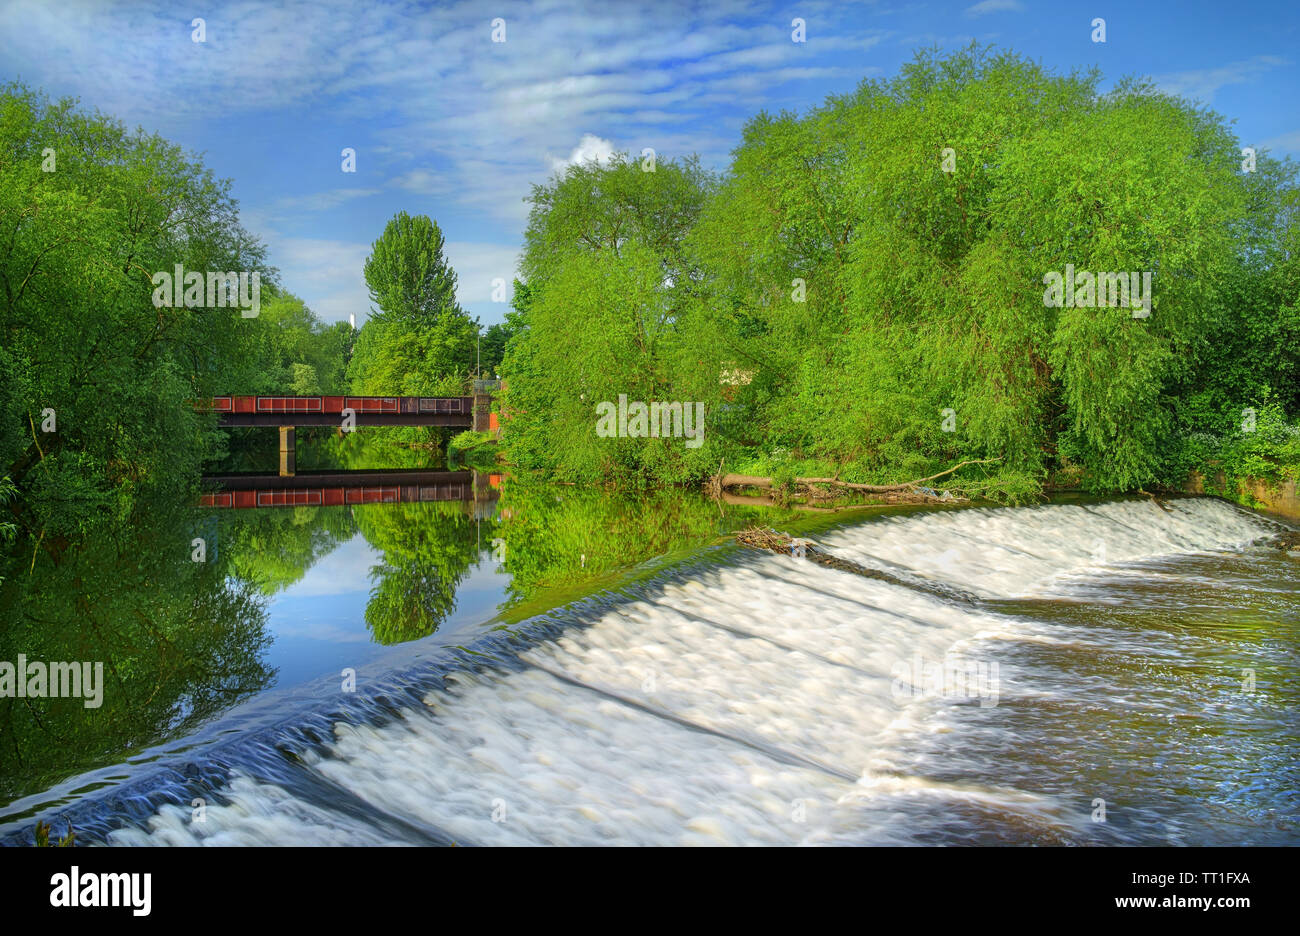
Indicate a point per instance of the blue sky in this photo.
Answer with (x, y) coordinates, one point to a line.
(448, 123)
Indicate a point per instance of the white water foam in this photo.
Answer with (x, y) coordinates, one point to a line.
(1006, 552)
(753, 704)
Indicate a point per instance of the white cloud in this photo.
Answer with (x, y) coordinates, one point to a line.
(591, 149)
(441, 95)
(1286, 142)
(423, 182)
(1202, 84)
(332, 268)
(986, 7)
(476, 266)
(322, 201)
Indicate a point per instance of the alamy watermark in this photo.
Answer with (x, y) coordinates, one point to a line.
(54, 680)
(636, 420)
(1090, 290)
(223, 290)
(950, 678)
(102, 889)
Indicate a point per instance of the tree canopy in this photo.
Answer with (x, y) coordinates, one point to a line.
(864, 289)
(96, 382)
(418, 341)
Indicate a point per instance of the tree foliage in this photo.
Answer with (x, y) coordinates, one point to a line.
(418, 341)
(178, 641)
(96, 383)
(292, 351)
(865, 288)
(610, 309)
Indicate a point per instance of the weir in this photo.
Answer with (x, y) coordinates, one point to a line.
(744, 697)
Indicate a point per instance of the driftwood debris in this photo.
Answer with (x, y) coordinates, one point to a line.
(1288, 541)
(908, 490)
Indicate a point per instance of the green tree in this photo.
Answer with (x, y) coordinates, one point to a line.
(291, 351)
(610, 308)
(493, 347)
(96, 382)
(409, 278)
(890, 314)
(418, 341)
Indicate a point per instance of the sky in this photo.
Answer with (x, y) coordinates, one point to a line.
(447, 122)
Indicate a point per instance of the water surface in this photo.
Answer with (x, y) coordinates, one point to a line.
(1116, 672)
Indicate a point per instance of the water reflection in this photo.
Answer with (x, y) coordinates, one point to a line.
(280, 596)
(179, 641)
(774, 679)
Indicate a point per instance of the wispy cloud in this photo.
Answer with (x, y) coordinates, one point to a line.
(477, 266)
(332, 268)
(1283, 142)
(434, 86)
(323, 201)
(1203, 83)
(985, 7)
(444, 120)
(424, 182)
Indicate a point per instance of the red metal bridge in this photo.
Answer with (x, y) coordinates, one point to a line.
(346, 412)
(362, 410)
(336, 488)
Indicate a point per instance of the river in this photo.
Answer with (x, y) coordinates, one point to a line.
(544, 665)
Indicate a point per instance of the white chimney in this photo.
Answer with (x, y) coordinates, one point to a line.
(352, 320)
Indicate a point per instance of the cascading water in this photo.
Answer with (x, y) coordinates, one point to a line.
(1126, 673)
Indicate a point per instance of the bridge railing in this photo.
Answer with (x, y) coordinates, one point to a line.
(245, 404)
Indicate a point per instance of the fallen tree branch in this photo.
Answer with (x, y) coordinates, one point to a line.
(737, 480)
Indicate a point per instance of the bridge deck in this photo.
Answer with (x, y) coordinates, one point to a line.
(334, 419)
(325, 488)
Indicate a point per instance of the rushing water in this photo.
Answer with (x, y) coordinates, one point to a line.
(1118, 672)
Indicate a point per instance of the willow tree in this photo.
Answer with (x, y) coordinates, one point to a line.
(610, 310)
(882, 260)
(96, 380)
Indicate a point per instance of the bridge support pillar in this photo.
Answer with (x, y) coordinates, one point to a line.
(288, 452)
(482, 412)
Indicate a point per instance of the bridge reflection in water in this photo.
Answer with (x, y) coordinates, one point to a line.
(336, 488)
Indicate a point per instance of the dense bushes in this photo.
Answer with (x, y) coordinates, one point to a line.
(96, 381)
(865, 289)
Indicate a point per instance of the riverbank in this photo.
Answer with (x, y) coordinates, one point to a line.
(1278, 498)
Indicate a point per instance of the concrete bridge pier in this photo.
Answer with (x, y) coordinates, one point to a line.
(288, 451)
(482, 396)
(482, 412)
